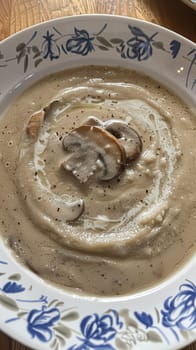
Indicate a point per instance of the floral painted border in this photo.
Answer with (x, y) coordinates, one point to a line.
(139, 46)
(50, 322)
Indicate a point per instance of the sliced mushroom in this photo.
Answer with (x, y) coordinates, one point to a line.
(127, 136)
(92, 150)
(94, 121)
(34, 124)
(41, 202)
(37, 119)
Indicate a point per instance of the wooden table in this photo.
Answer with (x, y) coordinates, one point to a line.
(18, 14)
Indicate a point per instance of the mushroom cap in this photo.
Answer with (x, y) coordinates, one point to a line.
(127, 136)
(93, 150)
(34, 124)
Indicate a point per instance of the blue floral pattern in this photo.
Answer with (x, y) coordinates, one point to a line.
(49, 321)
(175, 47)
(12, 287)
(41, 322)
(3, 262)
(80, 43)
(98, 331)
(148, 322)
(180, 311)
(49, 47)
(140, 46)
(144, 318)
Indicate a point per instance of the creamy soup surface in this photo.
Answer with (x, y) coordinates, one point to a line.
(97, 227)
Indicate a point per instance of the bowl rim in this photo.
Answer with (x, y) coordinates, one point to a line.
(164, 283)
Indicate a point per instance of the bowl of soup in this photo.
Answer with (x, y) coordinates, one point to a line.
(98, 185)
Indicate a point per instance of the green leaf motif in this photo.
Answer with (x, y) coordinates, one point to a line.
(36, 55)
(124, 313)
(26, 63)
(103, 41)
(21, 55)
(56, 347)
(63, 330)
(60, 303)
(8, 303)
(71, 316)
(103, 48)
(22, 314)
(61, 340)
(56, 303)
(20, 47)
(159, 45)
(37, 62)
(36, 52)
(121, 345)
(53, 343)
(35, 49)
(116, 41)
(15, 277)
(154, 337)
(130, 322)
(52, 302)
(158, 315)
(185, 334)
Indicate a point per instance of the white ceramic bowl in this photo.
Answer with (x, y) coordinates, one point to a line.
(40, 315)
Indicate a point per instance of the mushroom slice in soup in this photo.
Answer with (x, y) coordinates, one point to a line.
(41, 201)
(94, 121)
(127, 136)
(34, 124)
(93, 151)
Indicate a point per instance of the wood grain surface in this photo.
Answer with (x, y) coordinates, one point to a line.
(18, 14)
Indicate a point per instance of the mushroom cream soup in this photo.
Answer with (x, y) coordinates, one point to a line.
(98, 180)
